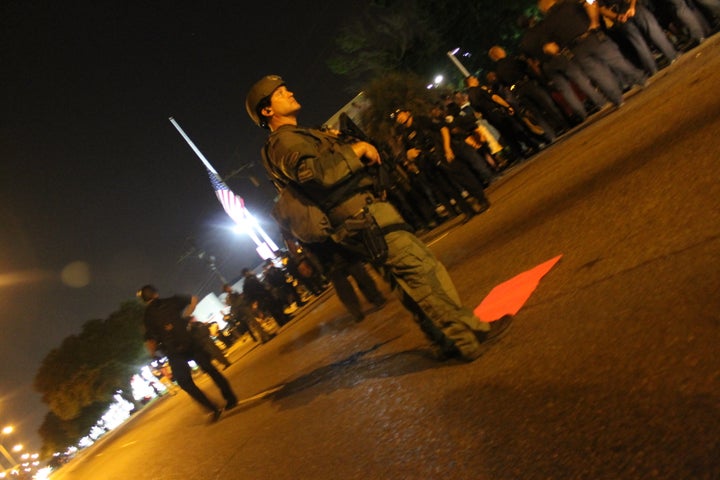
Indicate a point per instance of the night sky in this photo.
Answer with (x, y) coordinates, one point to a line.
(93, 174)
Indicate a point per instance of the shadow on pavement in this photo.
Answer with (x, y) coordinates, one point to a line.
(352, 371)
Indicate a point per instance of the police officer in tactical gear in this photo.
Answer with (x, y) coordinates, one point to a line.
(324, 167)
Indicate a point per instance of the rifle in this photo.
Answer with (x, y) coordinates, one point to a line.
(381, 174)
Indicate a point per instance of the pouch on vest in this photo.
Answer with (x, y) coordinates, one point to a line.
(300, 216)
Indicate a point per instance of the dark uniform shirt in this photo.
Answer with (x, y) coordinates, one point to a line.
(275, 277)
(165, 324)
(461, 121)
(566, 21)
(511, 71)
(531, 43)
(481, 100)
(423, 134)
(254, 290)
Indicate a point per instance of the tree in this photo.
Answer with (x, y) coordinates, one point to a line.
(388, 93)
(415, 36)
(88, 369)
(388, 36)
(58, 434)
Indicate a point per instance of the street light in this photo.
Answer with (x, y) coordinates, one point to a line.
(6, 431)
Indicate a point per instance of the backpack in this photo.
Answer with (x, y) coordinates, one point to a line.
(297, 214)
(294, 211)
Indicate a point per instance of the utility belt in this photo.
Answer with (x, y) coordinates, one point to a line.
(350, 207)
(599, 34)
(361, 223)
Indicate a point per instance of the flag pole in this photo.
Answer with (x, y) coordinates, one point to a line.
(192, 145)
(456, 62)
(264, 248)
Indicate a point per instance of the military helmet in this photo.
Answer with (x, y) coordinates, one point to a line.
(259, 92)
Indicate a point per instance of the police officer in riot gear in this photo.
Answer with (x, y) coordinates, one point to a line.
(324, 167)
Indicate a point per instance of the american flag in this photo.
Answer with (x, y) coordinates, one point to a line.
(233, 204)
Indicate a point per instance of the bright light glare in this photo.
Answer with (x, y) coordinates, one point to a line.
(7, 430)
(250, 218)
(85, 442)
(43, 473)
(438, 79)
(140, 389)
(453, 52)
(17, 447)
(23, 277)
(240, 229)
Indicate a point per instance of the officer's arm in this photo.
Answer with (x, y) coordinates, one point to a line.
(593, 13)
(304, 160)
(630, 12)
(368, 152)
(449, 154)
(501, 101)
(190, 307)
(607, 13)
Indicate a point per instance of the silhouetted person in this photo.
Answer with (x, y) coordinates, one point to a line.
(167, 329)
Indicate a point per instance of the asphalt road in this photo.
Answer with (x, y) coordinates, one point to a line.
(611, 370)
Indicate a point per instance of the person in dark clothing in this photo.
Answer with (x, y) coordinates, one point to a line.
(167, 329)
(558, 69)
(339, 264)
(283, 291)
(684, 15)
(501, 115)
(242, 314)
(202, 335)
(516, 75)
(336, 175)
(302, 269)
(429, 138)
(459, 128)
(255, 291)
(575, 25)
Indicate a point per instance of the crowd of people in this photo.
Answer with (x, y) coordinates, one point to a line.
(291, 280)
(575, 59)
(274, 295)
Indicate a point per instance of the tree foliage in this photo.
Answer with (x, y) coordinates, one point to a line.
(89, 368)
(388, 93)
(415, 35)
(388, 36)
(391, 51)
(58, 434)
